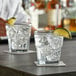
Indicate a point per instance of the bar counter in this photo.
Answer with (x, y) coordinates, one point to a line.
(23, 65)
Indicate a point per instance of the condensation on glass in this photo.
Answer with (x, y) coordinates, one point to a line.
(48, 47)
(18, 37)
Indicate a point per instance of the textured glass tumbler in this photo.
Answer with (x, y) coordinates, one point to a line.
(18, 37)
(48, 47)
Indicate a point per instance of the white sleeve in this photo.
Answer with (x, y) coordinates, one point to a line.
(21, 15)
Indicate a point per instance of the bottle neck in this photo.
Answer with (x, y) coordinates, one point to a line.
(53, 4)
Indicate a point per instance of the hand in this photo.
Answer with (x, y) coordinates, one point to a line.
(2, 22)
(32, 30)
(2, 27)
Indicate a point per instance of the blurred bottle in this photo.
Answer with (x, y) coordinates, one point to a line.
(54, 14)
(70, 3)
(66, 13)
(66, 18)
(66, 3)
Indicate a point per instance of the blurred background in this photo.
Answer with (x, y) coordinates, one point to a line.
(39, 11)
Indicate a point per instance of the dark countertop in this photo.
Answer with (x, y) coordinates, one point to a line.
(23, 65)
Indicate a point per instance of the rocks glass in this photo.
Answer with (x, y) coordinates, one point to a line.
(18, 37)
(48, 47)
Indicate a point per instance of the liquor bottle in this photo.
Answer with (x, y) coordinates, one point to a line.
(54, 14)
(68, 21)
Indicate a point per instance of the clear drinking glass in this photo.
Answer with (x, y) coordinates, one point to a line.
(18, 37)
(48, 47)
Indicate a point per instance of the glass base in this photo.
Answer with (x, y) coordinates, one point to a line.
(19, 52)
(60, 63)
